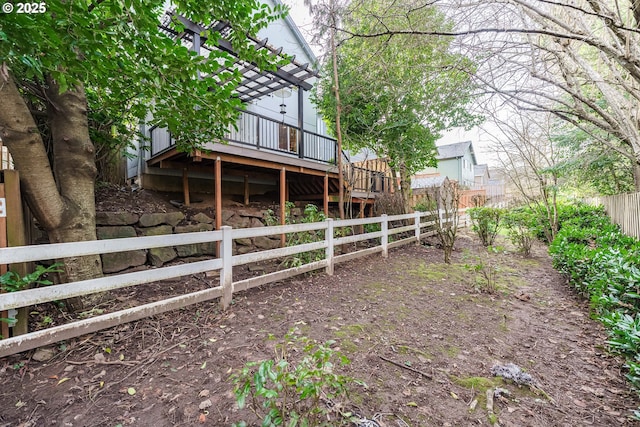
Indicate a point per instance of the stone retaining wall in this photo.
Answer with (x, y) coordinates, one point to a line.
(114, 225)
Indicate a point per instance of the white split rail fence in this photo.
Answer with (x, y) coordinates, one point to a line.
(224, 263)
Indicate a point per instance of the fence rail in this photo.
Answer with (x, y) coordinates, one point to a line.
(419, 223)
(624, 210)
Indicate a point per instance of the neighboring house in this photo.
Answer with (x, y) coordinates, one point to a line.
(481, 176)
(428, 192)
(455, 161)
(280, 148)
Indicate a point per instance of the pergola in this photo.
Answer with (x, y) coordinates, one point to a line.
(256, 83)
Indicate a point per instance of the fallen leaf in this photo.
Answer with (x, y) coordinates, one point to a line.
(202, 418)
(455, 396)
(412, 404)
(131, 391)
(107, 350)
(101, 384)
(63, 380)
(204, 365)
(121, 357)
(204, 393)
(20, 404)
(205, 404)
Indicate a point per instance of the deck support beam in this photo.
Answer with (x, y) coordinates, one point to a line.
(283, 201)
(218, 195)
(246, 190)
(185, 187)
(325, 196)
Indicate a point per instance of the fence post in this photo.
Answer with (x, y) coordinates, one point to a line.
(418, 213)
(384, 240)
(226, 274)
(329, 250)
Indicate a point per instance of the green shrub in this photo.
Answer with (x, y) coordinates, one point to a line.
(283, 394)
(311, 214)
(521, 229)
(602, 264)
(486, 223)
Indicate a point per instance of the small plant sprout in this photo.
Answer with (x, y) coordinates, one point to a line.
(281, 392)
(13, 282)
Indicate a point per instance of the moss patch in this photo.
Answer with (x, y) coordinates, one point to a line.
(437, 272)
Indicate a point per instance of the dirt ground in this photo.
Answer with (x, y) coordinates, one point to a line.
(407, 311)
(420, 334)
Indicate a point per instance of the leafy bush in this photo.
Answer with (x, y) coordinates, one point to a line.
(311, 214)
(521, 229)
(602, 264)
(486, 223)
(281, 393)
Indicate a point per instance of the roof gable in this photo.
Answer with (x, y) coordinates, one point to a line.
(480, 170)
(456, 150)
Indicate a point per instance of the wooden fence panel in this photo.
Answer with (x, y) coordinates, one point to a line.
(624, 210)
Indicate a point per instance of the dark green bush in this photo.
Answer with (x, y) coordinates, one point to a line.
(604, 265)
(486, 223)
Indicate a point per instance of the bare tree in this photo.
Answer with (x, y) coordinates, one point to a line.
(578, 60)
(445, 201)
(326, 19)
(530, 159)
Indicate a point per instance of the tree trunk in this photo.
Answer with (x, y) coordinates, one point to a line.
(336, 88)
(405, 188)
(636, 175)
(62, 199)
(75, 171)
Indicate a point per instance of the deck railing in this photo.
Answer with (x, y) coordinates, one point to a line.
(367, 180)
(264, 133)
(415, 225)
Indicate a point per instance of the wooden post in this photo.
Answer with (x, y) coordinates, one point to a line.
(226, 274)
(4, 326)
(16, 236)
(283, 201)
(246, 190)
(417, 214)
(329, 249)
(384, 240)
(185, 186)
(325, 197)
(218, 196)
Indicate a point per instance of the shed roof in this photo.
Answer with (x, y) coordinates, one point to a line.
(428, 182)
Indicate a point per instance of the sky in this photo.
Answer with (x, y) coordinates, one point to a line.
(300, 15)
